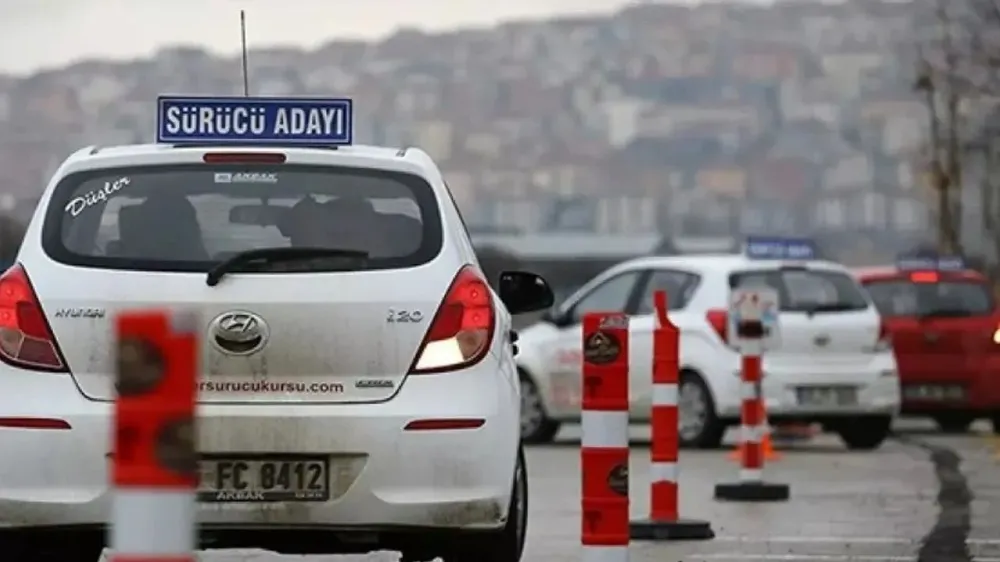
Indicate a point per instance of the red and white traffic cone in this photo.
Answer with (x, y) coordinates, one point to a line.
(155, 459)
(664, 522)
(604, 446)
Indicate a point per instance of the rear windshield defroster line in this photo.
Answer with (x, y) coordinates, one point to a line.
(190, 217)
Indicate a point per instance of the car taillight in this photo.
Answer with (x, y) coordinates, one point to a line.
(462, 329)
(717, 319)
(25, 337)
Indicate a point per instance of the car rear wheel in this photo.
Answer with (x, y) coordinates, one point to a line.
(954, 423)
(865, 433)
(698, 425)
(536, 427)
(995, 418)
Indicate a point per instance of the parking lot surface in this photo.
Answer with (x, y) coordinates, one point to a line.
(922, 497)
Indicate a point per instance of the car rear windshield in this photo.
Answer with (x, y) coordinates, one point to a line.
(189, 217)
(957, 298)
(806, 290)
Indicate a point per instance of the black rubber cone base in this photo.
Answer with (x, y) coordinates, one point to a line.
(680, 530)
(752, 492)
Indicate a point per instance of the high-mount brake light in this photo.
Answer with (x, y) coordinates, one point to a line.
(462, 329)
(244, 158)
(717, 319)
(26, 340)
(924, 277)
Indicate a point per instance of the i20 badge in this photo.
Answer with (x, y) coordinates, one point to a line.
(239, 333)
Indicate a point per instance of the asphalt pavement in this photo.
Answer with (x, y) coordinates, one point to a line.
(922, 497)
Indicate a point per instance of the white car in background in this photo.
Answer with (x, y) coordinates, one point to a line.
(834, 364)
(355, 363)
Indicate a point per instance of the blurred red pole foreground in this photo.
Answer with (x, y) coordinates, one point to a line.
(155, 459)
(664, 522)
(604, 445)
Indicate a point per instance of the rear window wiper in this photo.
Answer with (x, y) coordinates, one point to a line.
(832, 307)
(265, 256)
(945, 313)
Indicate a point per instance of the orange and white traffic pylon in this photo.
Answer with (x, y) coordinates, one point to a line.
(155, 459)
(664, 522)
(751, 486)
(604, 446)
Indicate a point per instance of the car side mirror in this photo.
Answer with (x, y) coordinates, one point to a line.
(524, 292)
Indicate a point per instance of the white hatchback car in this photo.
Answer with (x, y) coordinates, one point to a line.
(380, 356)
(834, 364)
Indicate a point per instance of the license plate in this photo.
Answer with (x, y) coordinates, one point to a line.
(264, 478)
(933, 392)
(827, 396)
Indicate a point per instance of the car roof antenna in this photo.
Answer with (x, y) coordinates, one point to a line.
(243, 46)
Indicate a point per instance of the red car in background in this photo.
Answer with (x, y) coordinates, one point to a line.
(944, 325)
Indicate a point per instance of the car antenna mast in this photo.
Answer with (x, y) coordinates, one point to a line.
(243, 46)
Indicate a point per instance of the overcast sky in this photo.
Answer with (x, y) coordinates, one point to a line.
(42, 33)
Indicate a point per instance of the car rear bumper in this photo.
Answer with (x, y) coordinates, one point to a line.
(979, 378)
(876, 385)
(381, 474)
(912, 408)
(876, 382)
(980, 400)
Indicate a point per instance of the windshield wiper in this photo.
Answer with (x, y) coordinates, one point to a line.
(833, 307)
(945, 312)
(274, 255)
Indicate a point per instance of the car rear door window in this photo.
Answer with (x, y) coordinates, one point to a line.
(613, 295)
(956, 298)
(679, 286)
(190, 217)
(806, 290)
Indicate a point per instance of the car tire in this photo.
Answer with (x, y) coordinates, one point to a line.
(865, 433)
(995, 419)
(696, 411)
(536, 426)
(505, 544)
(954, 423)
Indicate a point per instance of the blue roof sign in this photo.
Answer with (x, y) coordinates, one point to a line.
(243, 120)
(772, 248)
(942, 263)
